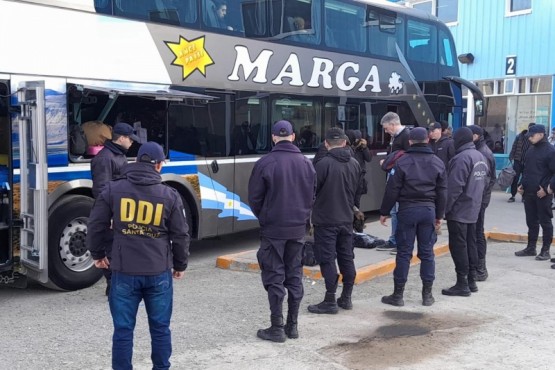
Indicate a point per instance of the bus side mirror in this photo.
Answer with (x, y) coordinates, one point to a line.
(479, 107)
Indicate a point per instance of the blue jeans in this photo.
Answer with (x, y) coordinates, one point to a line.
(126, 293)
(393, 213)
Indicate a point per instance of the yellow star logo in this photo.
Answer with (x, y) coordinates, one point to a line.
(190, 55)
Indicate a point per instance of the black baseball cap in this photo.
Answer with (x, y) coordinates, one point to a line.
(125, 129)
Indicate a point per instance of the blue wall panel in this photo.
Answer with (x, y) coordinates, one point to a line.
(485, 31)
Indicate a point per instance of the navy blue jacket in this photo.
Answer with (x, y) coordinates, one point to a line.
(338, 180)
(539, 166)
(444, 148)
(281, 192)
(107, 165)
(482, 147)
(467, 176)
(418, 179)
(150, 232)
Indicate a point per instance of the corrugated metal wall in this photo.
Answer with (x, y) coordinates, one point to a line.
(485, 31)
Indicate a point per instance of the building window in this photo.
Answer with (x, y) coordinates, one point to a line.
(540, 84)
(447, 10)
(517, 7)
(486, 87)
(425, 6)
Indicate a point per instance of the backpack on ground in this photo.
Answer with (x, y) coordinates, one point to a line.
(366, 241)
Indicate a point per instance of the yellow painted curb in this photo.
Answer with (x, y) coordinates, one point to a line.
(385, 267)
(237, 261)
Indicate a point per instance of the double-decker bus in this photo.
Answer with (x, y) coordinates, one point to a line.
(205, 85)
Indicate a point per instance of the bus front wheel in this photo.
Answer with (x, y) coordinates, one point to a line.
(70, 264)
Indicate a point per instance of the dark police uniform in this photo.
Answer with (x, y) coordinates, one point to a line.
(281, 194)
(481, 243)
(338, 180)
(539, 168)
(418, 184)
(444, 148)
(108, 165)
(467, 176)
(150, 237)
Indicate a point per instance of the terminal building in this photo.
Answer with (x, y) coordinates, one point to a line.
(504, 47)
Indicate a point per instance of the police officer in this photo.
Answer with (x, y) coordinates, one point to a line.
(108, 164)
(442, 145)
(151, 237)
(467, 175)
(539, 168)
(363, 155)
(481, 243)
(281, 194)
(418, 183)
(338, 177)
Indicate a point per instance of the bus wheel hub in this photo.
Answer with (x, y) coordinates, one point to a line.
(73, 246)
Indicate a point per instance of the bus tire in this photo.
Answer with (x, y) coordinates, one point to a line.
(70, 264)
(188, 216)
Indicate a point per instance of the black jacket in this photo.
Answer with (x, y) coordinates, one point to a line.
(539, 166)
(401, 141)
(281, 192)
(444, 148)
(466, 180)
(338, 179)
(418, 179)
(107, 165)
(482, 147)
(150, 233)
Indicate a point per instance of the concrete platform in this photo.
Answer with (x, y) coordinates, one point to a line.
(504, 222)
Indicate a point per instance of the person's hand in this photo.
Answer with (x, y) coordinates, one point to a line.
(362, 144)
(383, 220)
(549, 190)
(520, 190)
(102, 263)
(178, 274)
(438, 223)
(359, 215)
(381, 161)
(541, 193)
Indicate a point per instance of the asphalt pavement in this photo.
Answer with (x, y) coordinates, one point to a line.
(508, 324)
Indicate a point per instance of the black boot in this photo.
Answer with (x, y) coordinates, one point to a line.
(472, 281)
(427, 297)
(481, 270)
(345, 300)
(529, 251)
(396, 299)
(544, 254)
(328, 306)
(291, 325)
(274, 333)
(459, 289)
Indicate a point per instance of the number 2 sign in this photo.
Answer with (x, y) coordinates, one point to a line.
(510, 65)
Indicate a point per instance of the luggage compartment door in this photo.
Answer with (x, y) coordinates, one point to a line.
(34, 179)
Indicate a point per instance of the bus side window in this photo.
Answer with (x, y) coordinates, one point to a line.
(209, 13)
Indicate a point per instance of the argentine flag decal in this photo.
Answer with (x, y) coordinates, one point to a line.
(216, 196)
